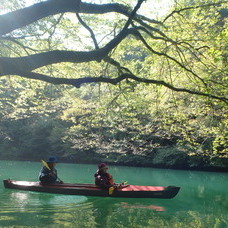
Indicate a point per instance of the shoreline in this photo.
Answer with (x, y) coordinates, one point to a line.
(200, 169)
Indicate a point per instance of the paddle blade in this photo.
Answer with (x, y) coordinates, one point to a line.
(45, 164)
(110, 190)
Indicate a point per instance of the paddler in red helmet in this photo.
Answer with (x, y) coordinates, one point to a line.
(102, 178)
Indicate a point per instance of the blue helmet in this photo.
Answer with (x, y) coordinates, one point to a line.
(52, 159)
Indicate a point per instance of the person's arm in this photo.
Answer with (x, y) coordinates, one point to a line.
(47, 175)
(104, 182)
(110, 178)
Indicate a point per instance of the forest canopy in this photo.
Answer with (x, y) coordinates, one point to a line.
(123, 77)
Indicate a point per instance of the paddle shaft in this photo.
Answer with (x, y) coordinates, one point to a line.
(46, 165)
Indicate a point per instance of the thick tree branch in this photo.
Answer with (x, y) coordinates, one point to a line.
(28, 63)
(22, 17)
(31, 62)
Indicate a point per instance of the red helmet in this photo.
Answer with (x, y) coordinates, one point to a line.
(102, 166)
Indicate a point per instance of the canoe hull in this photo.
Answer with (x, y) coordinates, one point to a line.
(127, 191)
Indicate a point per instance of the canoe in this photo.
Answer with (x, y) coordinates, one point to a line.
(127, 191)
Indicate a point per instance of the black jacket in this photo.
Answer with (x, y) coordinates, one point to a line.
(102, 179)
(46, 176)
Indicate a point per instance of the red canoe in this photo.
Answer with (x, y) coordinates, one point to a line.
(127, 191)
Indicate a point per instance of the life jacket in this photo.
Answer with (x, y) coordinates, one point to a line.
(111, 181)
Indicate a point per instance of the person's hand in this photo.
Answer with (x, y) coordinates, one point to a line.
(116, 185)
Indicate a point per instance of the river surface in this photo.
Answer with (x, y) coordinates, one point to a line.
(201, 202)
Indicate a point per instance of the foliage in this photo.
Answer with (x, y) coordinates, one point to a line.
(135, 121)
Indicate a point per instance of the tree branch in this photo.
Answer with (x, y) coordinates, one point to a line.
(28, 63)
(92, 35)
(169, 57)
(114, 81)
(22, 17)
(192, 7)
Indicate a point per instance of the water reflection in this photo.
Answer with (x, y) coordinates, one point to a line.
(201, 202)
(23, 199)
(43, 210)
(28, 208)
(150, 207)
(105, 210)
(20, 200)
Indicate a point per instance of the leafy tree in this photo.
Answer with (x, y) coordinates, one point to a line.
(58, 32)
(140, 77)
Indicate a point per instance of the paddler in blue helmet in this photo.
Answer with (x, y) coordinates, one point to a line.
(48, 174)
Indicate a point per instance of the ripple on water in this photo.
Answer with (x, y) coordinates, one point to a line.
(22, 201)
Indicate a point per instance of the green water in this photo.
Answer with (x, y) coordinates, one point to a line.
(201, 202)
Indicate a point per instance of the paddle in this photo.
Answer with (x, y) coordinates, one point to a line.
(116, 186)
(46, 165)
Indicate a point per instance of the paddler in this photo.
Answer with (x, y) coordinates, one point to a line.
(104, 179)
(48, 174)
